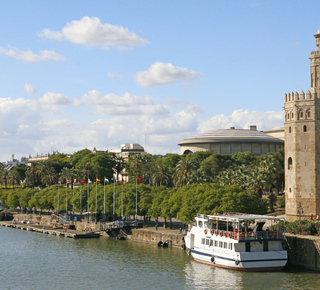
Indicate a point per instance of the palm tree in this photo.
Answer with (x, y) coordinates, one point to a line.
(184, 171)
(13, 176)
(268, 166)
(4, 176)
(257, 180)
(119, 165)
(32, 174)
(162, 176)
(47, 173)
(87, 172)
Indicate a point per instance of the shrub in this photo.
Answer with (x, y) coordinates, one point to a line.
(281, 202)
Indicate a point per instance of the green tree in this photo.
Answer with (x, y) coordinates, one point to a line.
(184, 171)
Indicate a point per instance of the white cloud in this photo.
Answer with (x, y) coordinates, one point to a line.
(243, 119)
(113, 76)
(55, 99)
(29, 56)
(127, 104)
(27, 126)
(161, 73)
(30, 90)
(90, 31)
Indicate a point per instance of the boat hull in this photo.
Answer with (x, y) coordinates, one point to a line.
(273, 261)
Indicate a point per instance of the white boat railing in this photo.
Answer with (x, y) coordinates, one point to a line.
(243, 236)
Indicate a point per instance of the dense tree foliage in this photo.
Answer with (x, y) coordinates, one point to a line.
(183, 203)
(172, 186)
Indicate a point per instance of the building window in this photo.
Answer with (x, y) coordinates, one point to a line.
(289, 163)
(304, 128)
(301, 115)
(289, 129)
(308, 114)
(288, 116)
(292, 115)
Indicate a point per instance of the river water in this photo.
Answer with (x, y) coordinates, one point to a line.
(36, 261)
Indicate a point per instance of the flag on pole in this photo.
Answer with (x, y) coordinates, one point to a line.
(106, 180)
(123, 181)
(68, 181)
(59, 181)
(139, 179)
(98, 180)
(82, 181)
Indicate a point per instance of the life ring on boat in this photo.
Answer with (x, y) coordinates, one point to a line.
(205, 231)
(230, 235)
(216, 232)
(211, 232)
(212, 259)
(225, 234)
(220, 233)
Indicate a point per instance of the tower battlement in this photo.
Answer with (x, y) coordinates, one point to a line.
(293, 97)
(314, 52)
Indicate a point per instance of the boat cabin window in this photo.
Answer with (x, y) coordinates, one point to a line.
(230, 246)
(220, 244)
(216, 243)
(211, 243)
(203, 241)
(225, 245)
(200, 224)
(206, 224)
(207, 241)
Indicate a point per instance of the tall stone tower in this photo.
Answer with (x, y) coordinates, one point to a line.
(302, 146)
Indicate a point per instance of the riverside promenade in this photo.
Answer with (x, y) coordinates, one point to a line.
(83, 229)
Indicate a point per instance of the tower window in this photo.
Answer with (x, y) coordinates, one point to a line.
(308, 114)
(289, 129)
(301, 115)
(292, 115)
(304, 128)
(289, 163)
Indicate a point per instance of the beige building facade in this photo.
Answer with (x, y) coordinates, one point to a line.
(302, 146)
(228, 141)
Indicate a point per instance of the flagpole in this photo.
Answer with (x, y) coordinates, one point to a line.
(88, 203)
(136, 202)
(104, 201)
(58, 197)
(96, 198)
(66, 200)
(80, 200)
(122, 202)
(114, 199)
(73, 202)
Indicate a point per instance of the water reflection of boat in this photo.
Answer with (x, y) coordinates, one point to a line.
(238, 241)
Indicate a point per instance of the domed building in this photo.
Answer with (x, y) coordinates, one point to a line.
(234, 140)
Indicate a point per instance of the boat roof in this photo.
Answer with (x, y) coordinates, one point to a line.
(239, 217)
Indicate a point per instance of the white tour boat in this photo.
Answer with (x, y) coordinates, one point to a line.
(238, 241)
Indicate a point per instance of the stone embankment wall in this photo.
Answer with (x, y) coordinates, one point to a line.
(172, 237)
(303, 251)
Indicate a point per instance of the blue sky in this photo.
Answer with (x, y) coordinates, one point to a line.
(85, 74)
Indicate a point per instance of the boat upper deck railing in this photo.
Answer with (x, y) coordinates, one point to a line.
(239, 217)
(245, 235)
